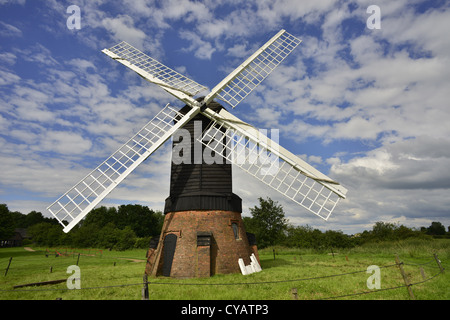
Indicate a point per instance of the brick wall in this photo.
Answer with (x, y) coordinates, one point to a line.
(197, 258)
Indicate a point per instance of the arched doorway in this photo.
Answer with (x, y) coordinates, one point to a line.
(170, 243)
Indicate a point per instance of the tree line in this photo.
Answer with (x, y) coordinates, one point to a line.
(125, 227)
(270, 227)
(133, 226)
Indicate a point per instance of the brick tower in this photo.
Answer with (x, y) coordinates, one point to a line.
(203, 233)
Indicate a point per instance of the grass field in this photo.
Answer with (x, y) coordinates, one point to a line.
(118, 275)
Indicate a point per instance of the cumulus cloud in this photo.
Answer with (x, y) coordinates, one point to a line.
(123, 29)
(202, 49)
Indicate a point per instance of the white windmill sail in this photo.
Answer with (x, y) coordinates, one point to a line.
(245, 78)
(155, 72)
(71, 207)
(252, 151)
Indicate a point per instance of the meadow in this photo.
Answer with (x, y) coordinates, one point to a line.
(315, 274)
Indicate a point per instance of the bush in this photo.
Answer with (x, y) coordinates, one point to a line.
(125, 239)
(142, 243)
(46, 234)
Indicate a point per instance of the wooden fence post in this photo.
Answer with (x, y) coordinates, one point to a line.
(7, 268)
(405, 278)
(294, 294)
(438, 262)
(145, 288)
(422, 272)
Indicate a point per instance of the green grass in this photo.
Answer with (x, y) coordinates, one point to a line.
(112, 276)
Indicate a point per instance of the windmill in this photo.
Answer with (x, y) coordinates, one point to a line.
(203, 231)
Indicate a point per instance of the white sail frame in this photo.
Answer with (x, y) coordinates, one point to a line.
(73, 206)
(245, 78)
(250, 150)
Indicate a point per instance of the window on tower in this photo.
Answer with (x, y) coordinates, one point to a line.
(235, 227)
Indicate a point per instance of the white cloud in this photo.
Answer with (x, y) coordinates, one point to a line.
(7, 78)
(202, 49)
(83, 64)
(8, 58)
(188, 10)
(64, 142)
(408, 178)
(239, 50)
(123, 29)
(8, 30)
(21, 2)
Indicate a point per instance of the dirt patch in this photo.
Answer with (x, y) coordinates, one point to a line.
(29, 249)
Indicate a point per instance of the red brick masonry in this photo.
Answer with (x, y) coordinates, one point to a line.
(206, 244)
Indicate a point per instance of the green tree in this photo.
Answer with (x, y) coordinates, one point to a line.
(336, 239)
(19, 219)
(268, 223)
(126, 239)
(33, 218)
(85, 236)
(46, 233)
(101, 216)
(6, 223)
(143, 221)
(436, 229)
(303, 237)
(108, 236)
(383, 230)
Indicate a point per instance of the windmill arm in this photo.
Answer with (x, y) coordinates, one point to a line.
(155, 72)
(280, 169)
(227, 119)
(76, 203)
(245, 78)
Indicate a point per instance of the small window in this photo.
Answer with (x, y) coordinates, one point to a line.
(235, 227)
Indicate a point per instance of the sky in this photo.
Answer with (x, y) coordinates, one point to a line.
(363, 98)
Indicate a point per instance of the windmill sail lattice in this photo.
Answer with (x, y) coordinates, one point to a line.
(245, 78)
(70, 208)
(253, 152)
(124, 52)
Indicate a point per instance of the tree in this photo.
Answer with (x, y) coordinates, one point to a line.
(143, 221)
(436, 229)
(33, 218)
(85, 236)
(301, 237)
(46, 233)
(383, 230)
(336, 239)
(125, 239)
(267, 223)
(101, 216)
(6, 223)
(107, 237)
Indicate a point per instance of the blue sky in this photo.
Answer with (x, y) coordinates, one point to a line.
(368, 107)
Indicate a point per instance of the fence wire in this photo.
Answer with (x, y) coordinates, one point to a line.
(146, 283)
(385, 289)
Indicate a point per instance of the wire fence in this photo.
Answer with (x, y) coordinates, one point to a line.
(145, 283)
